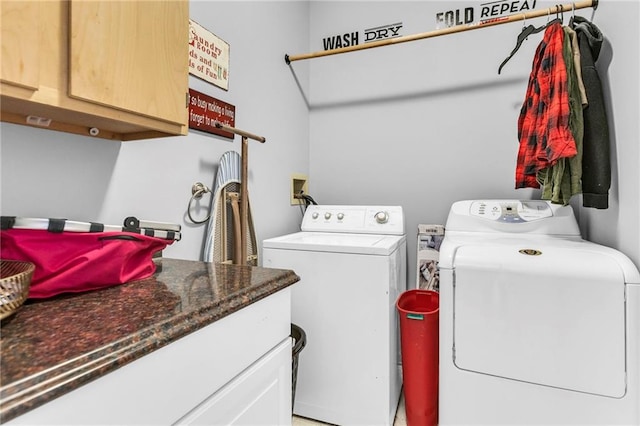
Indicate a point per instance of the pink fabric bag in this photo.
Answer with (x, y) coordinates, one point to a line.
(72, 262)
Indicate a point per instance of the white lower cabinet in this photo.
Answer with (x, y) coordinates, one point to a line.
(235, 371)
(258, 396)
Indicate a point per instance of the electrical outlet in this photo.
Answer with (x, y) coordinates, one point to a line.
(299, 185)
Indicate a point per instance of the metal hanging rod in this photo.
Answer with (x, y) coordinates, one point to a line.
(455, 29)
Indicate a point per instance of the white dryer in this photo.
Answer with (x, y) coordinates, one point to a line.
(537, 325)
(352, 266)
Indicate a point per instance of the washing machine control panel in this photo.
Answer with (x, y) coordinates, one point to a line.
(511, 211)
(354, 219)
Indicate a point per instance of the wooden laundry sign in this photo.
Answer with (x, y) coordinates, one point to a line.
(205, 111)
(208, 56)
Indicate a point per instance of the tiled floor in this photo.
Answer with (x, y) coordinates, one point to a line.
(401, 418)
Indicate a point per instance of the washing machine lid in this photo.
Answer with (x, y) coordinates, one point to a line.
(551, 314)
(370, 244)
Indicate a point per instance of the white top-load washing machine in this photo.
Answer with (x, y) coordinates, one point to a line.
(352, 266)
(537, 325)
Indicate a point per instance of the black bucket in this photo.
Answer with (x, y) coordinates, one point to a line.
(299, 342)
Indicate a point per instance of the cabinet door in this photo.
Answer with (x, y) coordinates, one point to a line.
(20, 58)
(131, 55)
(261, 395)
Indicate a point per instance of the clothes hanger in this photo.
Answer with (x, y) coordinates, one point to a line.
(526, 32)
(573, 14)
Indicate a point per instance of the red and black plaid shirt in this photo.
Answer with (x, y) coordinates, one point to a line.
(543, 125)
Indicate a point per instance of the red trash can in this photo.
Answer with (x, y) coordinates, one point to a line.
(419, 314)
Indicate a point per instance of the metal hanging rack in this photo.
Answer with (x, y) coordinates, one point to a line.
(455, 29)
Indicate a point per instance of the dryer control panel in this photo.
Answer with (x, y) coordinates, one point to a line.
(386, 220)
(512, 216)
(511, 211)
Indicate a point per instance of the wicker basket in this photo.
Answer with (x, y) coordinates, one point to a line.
(15, 278)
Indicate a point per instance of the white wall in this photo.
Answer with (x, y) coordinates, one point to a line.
(420, 124)
(51, 174)
(619, 68)
(425, 123)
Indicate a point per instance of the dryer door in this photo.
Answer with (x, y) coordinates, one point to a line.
(553, 317)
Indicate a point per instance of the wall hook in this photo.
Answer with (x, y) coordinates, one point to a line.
(198, 189)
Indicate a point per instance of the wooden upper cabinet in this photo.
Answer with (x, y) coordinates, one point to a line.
(20, 59)
(110, 69)
(130, 55)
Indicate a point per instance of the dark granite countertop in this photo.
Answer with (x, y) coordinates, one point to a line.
(53, 346)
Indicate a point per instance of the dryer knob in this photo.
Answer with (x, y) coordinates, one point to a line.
(327, 215)
(315, 215)
(382, 217)
(340, 216)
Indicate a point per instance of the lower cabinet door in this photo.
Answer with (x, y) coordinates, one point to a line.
(260, 395)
